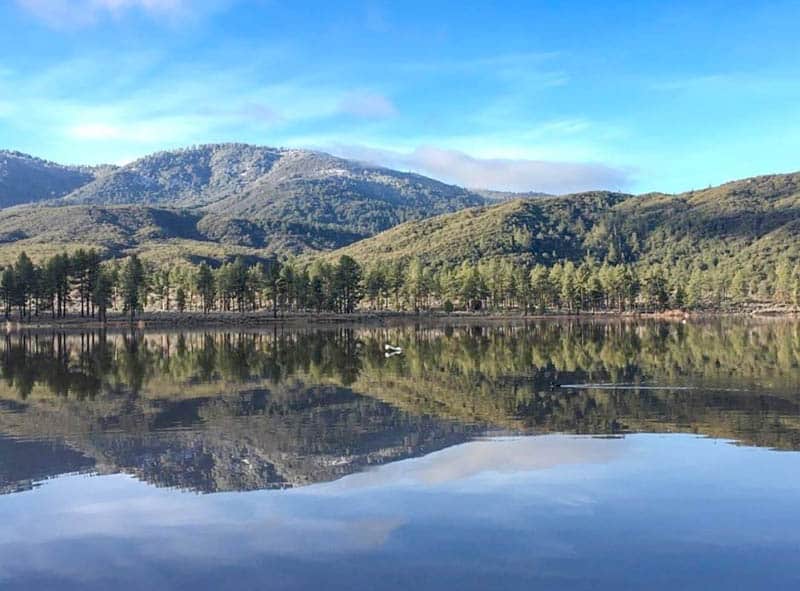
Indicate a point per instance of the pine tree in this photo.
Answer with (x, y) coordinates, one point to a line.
(416, 283)
(101, 293)
(24, 284)
(783, 281)
(541, 289)
(132, 284)
(347, 284)
(180, 299)
(7, 289)
(205, 287)
(568, 287)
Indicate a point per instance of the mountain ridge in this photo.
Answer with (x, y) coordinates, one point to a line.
(29, 179)
(264, 183)
(213, 202)
(739, 223)
(237, 198)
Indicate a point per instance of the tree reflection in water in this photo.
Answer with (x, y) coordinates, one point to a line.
(236, 411)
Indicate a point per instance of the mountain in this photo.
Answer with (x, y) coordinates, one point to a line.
(509, 195)
(738, 223)
(211, 202)
(26, 179)
(537, 230)
(291, 186)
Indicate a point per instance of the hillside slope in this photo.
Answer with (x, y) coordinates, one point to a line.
(156, 233)
(210, 202)
(290, 186)
(541, 230)
(737, 223)
(216, 201)
(26, 179)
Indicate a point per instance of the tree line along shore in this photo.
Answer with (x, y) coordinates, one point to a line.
(82, 285)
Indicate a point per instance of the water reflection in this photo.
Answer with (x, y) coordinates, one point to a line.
(219, 411)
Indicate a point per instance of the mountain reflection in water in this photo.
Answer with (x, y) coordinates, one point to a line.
(217, 411)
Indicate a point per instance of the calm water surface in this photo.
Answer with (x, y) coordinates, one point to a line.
(553, 455)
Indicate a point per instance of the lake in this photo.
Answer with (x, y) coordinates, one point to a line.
(542, 455)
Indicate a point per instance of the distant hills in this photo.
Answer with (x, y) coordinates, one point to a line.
(258, 183)
(536, 230)
(232, 198)
(737, 224)
(213, 202)
(26, 179)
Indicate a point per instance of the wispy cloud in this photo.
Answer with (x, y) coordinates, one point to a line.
(500, 64)
(496, 173)
(146, 103)
(102, 108)
(491, 460)
(730, 82)
(72, 13)
(368, 105)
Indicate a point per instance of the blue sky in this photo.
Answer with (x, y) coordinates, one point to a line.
(552, 96)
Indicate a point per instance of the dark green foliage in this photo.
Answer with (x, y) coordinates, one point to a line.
(180, 299)
(132, 284)
(8, 289)
(49, 286)
(347, 285)
(24, 284)
(722, 247)
(205, 287)
(102, 293)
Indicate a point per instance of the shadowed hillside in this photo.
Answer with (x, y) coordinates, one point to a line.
(25, 179)
(156, 233)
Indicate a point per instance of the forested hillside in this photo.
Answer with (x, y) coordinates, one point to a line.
(544, 230)
(210, 202)
(158, 234)
(297, 213)
(276, 185)
(25, 179)
(737, 223)
(720, 246)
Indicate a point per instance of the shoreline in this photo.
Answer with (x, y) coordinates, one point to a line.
(261, 320)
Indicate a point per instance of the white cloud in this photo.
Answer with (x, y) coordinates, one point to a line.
(149, 131)
(489, 458)
(190, 529)
(504, 174)
(367, 105)
(96, 131)
(139, 103)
